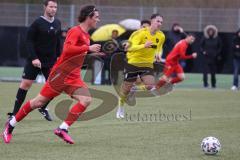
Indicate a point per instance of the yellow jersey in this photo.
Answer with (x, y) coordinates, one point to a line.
(140, 56)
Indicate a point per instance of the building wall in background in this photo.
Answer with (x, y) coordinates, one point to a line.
(157, 3)
(192, 19)
(12, 46)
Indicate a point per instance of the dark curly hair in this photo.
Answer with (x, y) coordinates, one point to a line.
(45, 2)
(86, 11)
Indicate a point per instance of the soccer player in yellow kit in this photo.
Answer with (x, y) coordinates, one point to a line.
(145, 46)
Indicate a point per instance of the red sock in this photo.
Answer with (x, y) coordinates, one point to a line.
(23, 112)
(74, 113)
(176, 80)
(160, 83)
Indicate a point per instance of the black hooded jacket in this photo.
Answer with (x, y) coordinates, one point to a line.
(212, 46)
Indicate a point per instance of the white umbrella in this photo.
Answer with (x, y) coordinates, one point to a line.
(131, 24)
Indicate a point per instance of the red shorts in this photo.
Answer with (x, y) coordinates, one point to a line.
(51, 89)
(172, 69)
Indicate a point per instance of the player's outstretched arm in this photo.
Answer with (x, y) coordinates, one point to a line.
(95, 48)
(71, 47)
(135, 41)
(184, 56)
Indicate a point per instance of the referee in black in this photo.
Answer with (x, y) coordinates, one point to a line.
(43, 47)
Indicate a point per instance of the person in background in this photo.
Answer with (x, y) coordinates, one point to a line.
(174, 36)
(211, 46)
(173, 72)
(43, 46)
(107, 60)
(236, 60)
(145, 23)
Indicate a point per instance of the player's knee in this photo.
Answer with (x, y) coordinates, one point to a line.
(86, 101)
(37, 103)
(26, 84)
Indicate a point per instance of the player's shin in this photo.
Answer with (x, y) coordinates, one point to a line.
(23, 112)
(176, 80)
(160, 83)
(121, 102)
(73, 115)
(20, 97)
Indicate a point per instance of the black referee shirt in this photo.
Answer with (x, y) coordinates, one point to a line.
(43, 41)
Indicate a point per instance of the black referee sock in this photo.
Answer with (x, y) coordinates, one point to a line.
(20, 97)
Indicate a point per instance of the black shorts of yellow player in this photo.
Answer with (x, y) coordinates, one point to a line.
(132, 72)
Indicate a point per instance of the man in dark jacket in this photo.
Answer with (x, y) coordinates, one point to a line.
(236, 60)
(211, 46)
(175, 35)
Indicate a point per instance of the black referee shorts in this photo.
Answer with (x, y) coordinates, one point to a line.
(30, 72)
(131, 72)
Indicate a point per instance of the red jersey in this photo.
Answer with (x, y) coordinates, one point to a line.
(69, 64)
(178, 53)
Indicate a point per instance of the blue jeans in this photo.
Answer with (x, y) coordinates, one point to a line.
(236, 66)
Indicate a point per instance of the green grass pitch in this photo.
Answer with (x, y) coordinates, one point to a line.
(190, 115)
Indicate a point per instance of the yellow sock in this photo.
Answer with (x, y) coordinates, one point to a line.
(122, 100)
(141, 87)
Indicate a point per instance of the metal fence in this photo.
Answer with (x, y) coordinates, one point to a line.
(192, 19)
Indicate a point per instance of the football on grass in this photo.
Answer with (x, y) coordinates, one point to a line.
(210, 145)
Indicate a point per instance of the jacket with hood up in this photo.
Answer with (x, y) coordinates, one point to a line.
(212, 46)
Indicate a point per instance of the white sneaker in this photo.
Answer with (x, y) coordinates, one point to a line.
(234, 88)
(120, 113)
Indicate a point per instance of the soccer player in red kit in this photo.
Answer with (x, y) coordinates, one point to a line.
(172, 65)
(65, 76)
